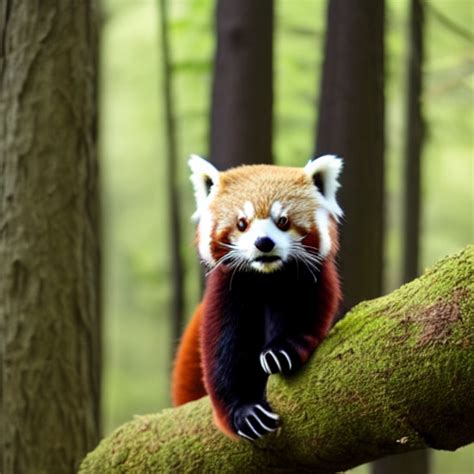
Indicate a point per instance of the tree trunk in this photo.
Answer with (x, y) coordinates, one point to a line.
(242, 95)
(176, 260)
(416, 462)
(351, 124)
(414, 134)
(49, 251)
(395, 375)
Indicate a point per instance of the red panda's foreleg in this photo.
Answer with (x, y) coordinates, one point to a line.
(231, 340)
(296, 326)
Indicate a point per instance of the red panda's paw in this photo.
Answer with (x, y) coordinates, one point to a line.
(252, 421)
(281, 359)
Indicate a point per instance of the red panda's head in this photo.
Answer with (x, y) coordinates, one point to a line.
(259, 217)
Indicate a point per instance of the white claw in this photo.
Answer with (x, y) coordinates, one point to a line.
(287, 358)
(263, 425)
(264, 365)
(275, 358)
(257, 434)
(241, 433)
(267, 364)
(268, 413)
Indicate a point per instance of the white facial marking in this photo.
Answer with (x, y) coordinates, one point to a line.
(322, 222)
(276, 210)
(264, 228)
(204, 244)
(249, 210)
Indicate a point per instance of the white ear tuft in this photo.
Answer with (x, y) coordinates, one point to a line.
(324, 172)
(204, 177)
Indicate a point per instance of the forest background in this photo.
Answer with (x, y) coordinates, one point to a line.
(137, 266)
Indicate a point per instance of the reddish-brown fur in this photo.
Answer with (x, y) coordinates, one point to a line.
(195, 371)
(218, 248)
(192, 381)
(187, 382)
(197, 344)
(210, 333)
(262, 185)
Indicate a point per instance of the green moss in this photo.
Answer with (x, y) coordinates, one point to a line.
(396, 374)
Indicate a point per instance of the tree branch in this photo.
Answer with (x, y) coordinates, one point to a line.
(395, 375)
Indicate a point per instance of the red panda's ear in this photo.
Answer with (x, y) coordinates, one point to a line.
(324, 172)
(204, 177)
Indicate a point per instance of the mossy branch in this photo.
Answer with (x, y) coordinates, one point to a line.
(396, 374)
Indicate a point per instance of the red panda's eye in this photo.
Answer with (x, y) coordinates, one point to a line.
(283, 223)
(242, 224)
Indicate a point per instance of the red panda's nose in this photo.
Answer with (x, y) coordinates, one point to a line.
(264, 244)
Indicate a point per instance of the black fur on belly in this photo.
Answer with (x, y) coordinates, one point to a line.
(257, 324)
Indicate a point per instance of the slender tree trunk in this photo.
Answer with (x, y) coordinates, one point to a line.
(49, 250)
(242, 97)
(416, 462)
(177, 270)
(351, 124)
(242, 90)
(414, 134)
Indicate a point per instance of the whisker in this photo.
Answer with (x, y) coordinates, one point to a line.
(307, 256)
(311, 252)
(241, 263)
(227, 258)
(299, 255)
(232, 278)
(309, 269)
(227, 245)
(317, 261)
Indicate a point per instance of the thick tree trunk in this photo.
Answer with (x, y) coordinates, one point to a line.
(351, 124)
(242, 95)
(395, 375)
(49, 254)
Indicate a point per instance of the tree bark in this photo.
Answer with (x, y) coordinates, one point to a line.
(395, 375)
(176, 260)
(415, 462)
(242, 93)
(414, 134)
(351, 124)
(49, 251)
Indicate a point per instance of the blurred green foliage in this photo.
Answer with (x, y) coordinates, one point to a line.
(135, 221)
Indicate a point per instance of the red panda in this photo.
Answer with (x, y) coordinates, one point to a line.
(269, 237)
